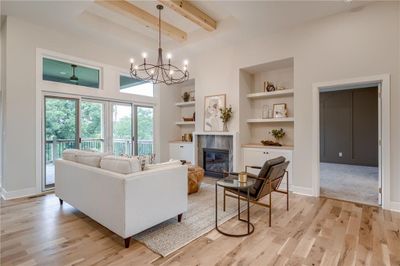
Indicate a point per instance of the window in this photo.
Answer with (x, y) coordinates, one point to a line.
(69, 73)
(135, 86)
(144, 130)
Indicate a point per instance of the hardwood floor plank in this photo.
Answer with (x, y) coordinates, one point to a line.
(315, 231)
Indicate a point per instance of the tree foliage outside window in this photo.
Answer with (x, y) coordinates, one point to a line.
(61, 123)
(60, 119)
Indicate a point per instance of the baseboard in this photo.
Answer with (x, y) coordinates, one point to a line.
(7, 195)
(306, 191)
(395, 206)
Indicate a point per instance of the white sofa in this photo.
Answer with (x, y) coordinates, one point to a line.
(124, 203)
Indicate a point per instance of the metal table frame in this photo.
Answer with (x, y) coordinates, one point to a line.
(250, 226)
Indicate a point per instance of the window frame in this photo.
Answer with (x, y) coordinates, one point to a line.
(134, 94)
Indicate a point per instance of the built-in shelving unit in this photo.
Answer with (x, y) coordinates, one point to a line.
(256, 121)
(184, 104)
(271, 120)
(280, 93)
(183, 123)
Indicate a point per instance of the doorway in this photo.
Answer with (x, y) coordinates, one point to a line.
(349, 144)
(383, 83)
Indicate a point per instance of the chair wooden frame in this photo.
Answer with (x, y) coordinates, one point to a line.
(266, 186)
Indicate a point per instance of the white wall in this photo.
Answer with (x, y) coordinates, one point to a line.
(347, 45)
(169, 114)
(3, 35)
(23, 39)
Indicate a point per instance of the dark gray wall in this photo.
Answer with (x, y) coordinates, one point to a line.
(349, 125)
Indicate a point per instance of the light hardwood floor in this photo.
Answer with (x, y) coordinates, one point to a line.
(316, 231)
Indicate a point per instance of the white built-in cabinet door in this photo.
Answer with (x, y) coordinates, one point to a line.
(181, 151)
(258, 156)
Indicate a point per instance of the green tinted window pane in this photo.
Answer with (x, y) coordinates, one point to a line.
(58, 71)
(135, 86)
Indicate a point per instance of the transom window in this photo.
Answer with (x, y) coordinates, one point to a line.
(70, 73)
(135, 86)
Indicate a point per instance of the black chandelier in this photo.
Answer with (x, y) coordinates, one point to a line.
(160, 72)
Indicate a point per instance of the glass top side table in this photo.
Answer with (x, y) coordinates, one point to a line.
(232, 182)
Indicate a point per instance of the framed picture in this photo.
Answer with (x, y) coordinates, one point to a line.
(280, 110)
(212, 120)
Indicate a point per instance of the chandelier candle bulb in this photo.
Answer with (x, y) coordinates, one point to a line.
(132, 61)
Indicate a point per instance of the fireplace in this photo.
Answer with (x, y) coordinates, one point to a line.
(215, 162)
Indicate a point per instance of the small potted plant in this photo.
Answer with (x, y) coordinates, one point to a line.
(278, 134)
(226, 114)
(186, 96)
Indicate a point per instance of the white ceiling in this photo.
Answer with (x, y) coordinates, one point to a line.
(237, 21)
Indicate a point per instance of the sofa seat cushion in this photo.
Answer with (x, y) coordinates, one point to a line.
(120, 164)
(162, 165)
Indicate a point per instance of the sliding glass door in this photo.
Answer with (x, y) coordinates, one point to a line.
(74, 123)
(122, 129)
(144, 130)
(60, 132)
(92, 125)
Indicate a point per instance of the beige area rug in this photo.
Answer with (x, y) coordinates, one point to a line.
(170, 235)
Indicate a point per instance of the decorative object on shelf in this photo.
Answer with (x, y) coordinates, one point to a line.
(270, 143)
(188, 137)
(278, 134)
(280, 88)
(226, 114)
(243, 177)
(186, 96)
(269, 86)
(265, 112)
(192, 97)
(188, 119)
(280, 110)
(212, 113)
(160, 72)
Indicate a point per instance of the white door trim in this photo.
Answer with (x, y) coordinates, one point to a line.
(382, 80)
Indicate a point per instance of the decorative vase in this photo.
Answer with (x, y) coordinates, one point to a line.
(226, 127)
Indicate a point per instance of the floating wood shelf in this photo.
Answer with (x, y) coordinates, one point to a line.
(271, 120)
(183, 123)
(271, 94)
(182, 104)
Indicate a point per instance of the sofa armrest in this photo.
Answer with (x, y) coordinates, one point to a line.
(154, 196)
(96, 192)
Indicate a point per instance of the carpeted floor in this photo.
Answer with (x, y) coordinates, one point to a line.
(350, 182)
(170, 235)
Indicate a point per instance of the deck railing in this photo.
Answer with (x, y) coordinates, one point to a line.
(54, 148)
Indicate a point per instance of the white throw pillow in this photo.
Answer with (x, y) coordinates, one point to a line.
(69, 155)
(120, 164)
(90, 158)
(162, 165)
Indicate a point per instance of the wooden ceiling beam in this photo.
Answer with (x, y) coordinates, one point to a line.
(127, 9)
(189, 11)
